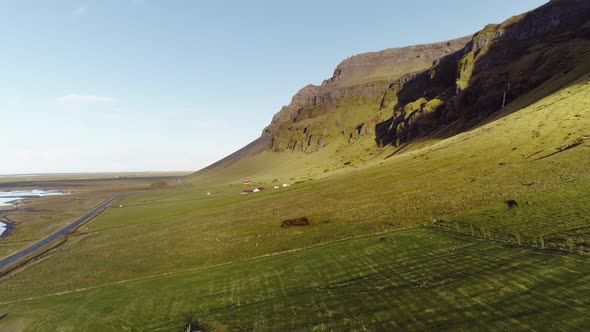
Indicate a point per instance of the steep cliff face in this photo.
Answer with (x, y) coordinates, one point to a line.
(347, 104)
(390, 64)
(501, 63)
(428, 87)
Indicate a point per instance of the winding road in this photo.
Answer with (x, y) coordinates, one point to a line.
(66, 230)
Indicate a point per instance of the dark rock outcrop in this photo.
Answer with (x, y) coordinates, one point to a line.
(499, 64)
(358, 80)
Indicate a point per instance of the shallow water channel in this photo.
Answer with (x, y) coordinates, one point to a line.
(13, 197)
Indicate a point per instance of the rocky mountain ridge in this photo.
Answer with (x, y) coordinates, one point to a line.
(431, 86)
(501, 63)
(393, 97)
(368, 74)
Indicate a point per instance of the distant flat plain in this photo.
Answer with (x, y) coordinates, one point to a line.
(33, 219)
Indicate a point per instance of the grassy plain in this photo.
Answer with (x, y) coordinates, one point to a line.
(23, 179)
(37, 218)
(557, 219)
(417, 279)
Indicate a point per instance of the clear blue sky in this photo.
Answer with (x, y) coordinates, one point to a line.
(146, 85)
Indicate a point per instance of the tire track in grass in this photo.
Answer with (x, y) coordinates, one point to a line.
(164, 274)
(386, 288)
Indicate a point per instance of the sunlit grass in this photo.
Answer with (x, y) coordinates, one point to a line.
(413, 280)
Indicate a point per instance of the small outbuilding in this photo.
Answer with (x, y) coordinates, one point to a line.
(286, 185)
(247, 182)
(247, 191)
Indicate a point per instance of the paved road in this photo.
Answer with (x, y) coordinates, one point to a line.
(69, 228)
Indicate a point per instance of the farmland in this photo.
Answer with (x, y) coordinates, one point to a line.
(418, 279)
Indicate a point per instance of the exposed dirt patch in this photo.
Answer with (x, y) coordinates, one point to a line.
(301, 221)
(14, 324)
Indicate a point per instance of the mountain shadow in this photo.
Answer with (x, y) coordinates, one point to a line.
(548, 46)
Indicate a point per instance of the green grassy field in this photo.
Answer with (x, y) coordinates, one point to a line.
(416, 279)
(557, 219)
